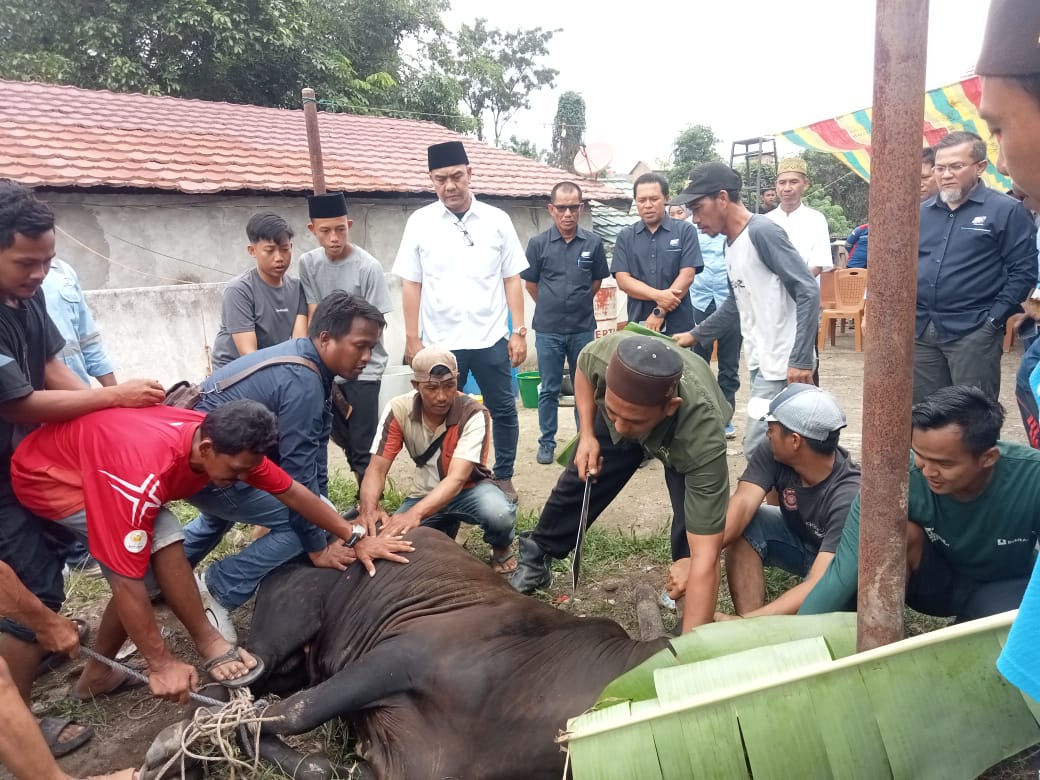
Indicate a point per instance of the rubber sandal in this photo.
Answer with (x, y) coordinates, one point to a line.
(234, 654)
(501, 561)
(52, 728)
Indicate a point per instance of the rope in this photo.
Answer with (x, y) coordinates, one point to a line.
(143, 677)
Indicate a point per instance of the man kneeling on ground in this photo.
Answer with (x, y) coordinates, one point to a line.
(448, 436)
(816, 482)
(105, 477)
(974, 512)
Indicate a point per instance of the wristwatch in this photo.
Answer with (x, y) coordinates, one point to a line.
(358, 533)
(657, 312)
(521, 331)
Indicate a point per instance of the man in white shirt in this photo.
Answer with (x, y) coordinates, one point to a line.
(806, 227)
(460, 262)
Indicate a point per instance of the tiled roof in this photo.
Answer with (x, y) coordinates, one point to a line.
(59, 136)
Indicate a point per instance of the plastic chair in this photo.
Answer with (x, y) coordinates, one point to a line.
(850, 285)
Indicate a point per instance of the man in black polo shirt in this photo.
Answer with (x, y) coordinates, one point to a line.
(36, 387)
(567, 266)
(976, 263)
(655, 260)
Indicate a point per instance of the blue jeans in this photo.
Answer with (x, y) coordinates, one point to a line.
(761, 388)
(233, 580)
(484, 505)
(776, 544)
(494, 373)
(552, 349)
(728, 356)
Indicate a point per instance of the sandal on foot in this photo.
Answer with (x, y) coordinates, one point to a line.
(52, 660)
(234, 654)
(52, 728)
(502, 560)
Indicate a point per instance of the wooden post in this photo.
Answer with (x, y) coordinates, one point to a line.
(310, 115)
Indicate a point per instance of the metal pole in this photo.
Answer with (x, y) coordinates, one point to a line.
(310, 115)
(900, 48)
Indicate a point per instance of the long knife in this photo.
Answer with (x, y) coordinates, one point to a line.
(576, 560)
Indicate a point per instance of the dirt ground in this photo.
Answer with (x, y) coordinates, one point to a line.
(126, 724)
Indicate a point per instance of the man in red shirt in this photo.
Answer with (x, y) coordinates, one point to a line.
(106, 476)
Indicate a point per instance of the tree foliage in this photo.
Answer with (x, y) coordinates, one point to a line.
(568, 134)
(242, 51)
(526, 147)
(497, 71)
(845, 188)
(693, 146)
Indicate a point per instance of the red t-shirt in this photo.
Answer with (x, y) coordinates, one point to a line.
(121, 465)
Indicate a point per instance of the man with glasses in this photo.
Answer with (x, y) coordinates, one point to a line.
(460, 262)
(977, 260)
(567, 266)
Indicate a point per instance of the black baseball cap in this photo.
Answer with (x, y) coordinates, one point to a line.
(705, 180)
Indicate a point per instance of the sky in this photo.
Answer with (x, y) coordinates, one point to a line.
(744, 67)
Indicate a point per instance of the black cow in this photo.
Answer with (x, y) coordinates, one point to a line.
(439, 666)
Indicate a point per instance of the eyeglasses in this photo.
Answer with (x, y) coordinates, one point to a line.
(562, 207)
(954, 168)
(465, 233)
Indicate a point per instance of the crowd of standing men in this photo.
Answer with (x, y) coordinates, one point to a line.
(298, 362)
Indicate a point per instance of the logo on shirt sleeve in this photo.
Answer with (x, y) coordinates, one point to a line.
(142, 498)
(135, 541)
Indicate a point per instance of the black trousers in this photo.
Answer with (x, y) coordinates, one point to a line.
(557, 528)
(360, 429)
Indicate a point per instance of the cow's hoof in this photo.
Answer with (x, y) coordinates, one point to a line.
(165, 746)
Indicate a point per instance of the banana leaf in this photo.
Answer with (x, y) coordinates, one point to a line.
(787, 697)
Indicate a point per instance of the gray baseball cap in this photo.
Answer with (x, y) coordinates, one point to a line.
(807, 410)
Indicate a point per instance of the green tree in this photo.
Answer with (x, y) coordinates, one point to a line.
(497, 71)
(525, 147)
(837, 223)
(242, 51)
(693, 146)
(568, 134)
(845, 188)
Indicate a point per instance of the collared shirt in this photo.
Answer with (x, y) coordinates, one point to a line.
(463, 301)
(467, 436)
(84, 353)
(691, 441)
(807, 229)
(976, 263)
(656, 259)
(299, 398)
(711, 285)
(564, 272)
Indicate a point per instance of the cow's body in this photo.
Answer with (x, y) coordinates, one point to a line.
(440, 666)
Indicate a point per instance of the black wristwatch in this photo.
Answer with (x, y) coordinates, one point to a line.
(358, 533)
(657, 312)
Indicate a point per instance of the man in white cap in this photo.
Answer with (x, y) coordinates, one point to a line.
(805, 226)
(460, 262)
(816, 482)
(447, 435)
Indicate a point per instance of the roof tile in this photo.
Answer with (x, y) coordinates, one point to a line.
(69, 137)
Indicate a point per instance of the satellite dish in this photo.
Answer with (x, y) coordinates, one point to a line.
(592, 159)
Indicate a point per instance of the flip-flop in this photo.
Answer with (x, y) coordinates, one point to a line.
(234, 654)
(502, 561)
(52, 660)
(52, 728)
(128, 683)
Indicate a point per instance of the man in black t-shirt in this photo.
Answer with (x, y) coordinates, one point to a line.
(816, 483)
(36, 387)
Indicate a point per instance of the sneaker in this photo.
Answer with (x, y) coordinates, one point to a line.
(216, 613)
(506, 486)
(545, 453)
(731, 432)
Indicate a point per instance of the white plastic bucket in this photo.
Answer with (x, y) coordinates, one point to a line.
(397, 380)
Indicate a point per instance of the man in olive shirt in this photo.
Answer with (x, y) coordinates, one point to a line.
(567, 266)
(974, 511)
(636, 395)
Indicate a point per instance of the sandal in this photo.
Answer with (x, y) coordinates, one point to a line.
(52, 728)
(501, 561)
(234, 654)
